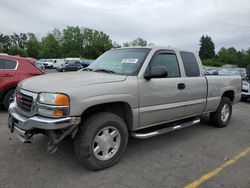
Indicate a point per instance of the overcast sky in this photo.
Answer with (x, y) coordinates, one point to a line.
(176, 23)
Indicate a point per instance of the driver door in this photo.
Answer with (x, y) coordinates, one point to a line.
(162, 99)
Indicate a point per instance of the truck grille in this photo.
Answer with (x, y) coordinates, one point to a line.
(24, 102)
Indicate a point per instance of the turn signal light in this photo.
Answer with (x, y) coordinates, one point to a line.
(61, 100)
(58, 113)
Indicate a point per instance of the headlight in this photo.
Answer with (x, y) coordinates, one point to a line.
(53, 104)
(53, 99)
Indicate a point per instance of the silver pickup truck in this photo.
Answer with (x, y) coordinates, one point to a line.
(139, 92)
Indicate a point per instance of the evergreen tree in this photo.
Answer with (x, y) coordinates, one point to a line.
(33, 46)
(206, 47)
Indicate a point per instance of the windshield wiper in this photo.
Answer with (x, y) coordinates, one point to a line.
(105, 70)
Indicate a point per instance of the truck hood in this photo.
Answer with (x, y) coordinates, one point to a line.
(60, 82)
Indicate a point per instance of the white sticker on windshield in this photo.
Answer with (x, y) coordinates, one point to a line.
(129, 61)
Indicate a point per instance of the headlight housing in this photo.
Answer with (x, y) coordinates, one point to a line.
(53, 105)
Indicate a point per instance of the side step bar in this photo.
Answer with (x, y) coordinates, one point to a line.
(173, 127)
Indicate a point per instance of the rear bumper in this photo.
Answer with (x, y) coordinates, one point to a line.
(37, 122)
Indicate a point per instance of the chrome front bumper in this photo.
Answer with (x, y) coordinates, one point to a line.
(25, 123)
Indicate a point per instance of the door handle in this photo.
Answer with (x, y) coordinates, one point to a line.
(181, 86)
(7, 75)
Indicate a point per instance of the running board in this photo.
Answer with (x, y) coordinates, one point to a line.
(173, 127)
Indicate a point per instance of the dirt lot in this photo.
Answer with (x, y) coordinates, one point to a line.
(171, 160)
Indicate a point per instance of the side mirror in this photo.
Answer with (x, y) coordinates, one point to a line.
(156, 72)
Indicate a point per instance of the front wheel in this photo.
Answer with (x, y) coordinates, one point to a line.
(101, 141)
(8, 98)
(221, 117)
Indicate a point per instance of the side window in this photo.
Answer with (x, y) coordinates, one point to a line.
(7, 64)
(190, 64)
(169, 61)
(1, 63)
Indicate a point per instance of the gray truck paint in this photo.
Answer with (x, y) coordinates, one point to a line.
(152, 102)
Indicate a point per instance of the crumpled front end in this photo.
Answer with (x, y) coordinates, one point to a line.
(26, 122)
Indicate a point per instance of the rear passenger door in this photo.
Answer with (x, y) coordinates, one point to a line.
(7, 71)
(196, 86)
(162, 99)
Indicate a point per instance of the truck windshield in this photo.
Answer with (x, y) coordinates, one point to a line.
(121, 61)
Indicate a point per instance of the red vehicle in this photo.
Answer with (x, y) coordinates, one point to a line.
(14, 69)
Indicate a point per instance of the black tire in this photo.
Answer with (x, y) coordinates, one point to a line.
(7, 98)
(63, 70)
(87, 133)
(216, 117)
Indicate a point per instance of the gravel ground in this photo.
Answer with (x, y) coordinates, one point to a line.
(170, 160)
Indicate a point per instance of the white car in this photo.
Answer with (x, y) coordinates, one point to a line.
(49, 63)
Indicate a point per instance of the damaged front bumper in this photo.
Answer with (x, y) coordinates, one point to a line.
(56, 129)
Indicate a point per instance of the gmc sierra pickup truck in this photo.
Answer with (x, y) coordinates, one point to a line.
(139, 92)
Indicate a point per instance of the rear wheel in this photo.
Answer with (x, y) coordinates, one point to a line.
(8, 98)
(221, 117)
(101, 141)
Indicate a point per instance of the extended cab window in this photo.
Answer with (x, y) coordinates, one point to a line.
(190, 64)
(7, 64)
(169, 61)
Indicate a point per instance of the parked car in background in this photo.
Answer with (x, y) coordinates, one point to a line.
(211, 72)
(58, 63)
(48, 63)
(86, 62)
(40, 65)
(231, 72)
(245, 92)
(69, 60)
(69, 67)
(14, 69)
(37, 63)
